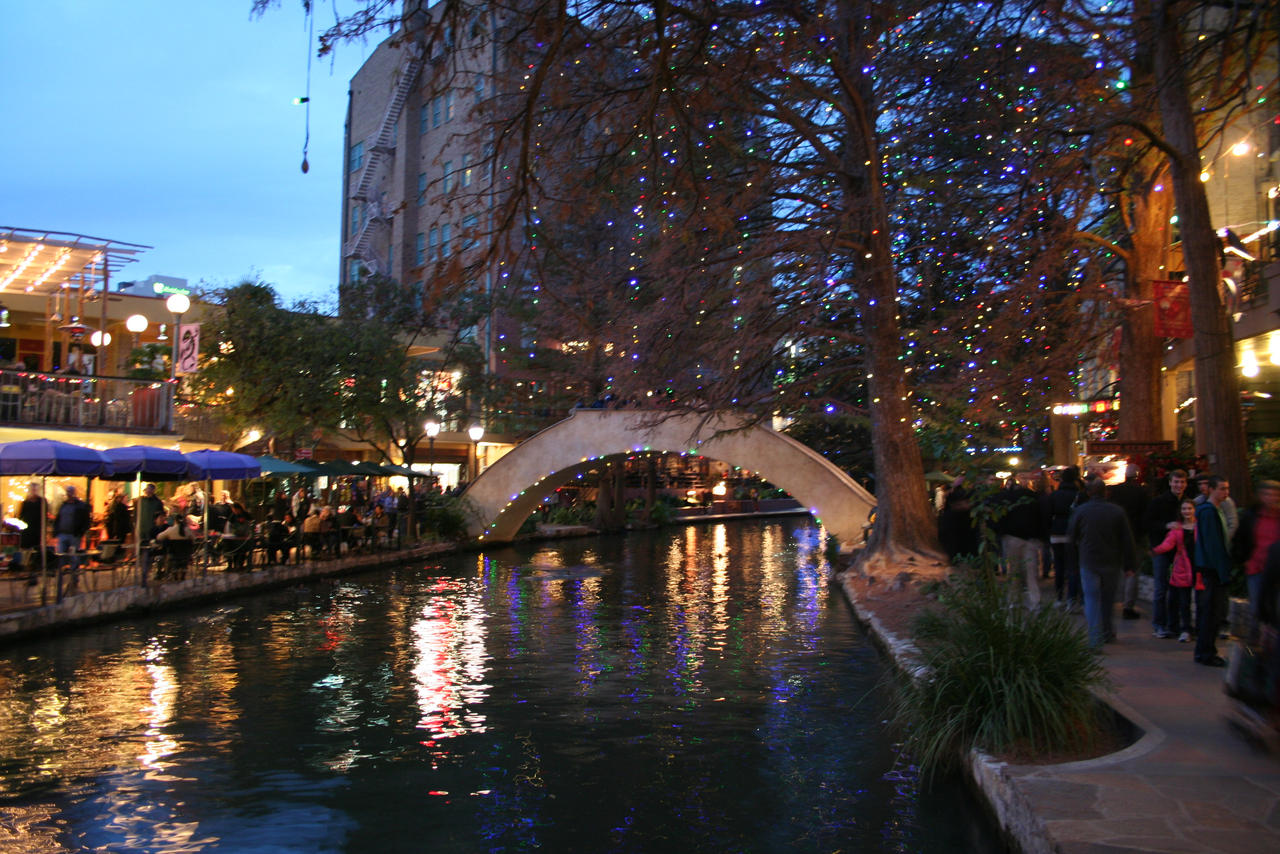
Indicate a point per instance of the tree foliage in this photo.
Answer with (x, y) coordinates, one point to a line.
(882, 211)
(374, 372)
(265, 366)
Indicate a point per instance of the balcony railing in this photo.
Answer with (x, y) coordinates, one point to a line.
(85, 403)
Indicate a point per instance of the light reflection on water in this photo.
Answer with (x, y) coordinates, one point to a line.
(694, 689)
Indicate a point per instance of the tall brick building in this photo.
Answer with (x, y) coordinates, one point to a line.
(418, 194)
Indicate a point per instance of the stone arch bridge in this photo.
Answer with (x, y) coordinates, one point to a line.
(513, 487)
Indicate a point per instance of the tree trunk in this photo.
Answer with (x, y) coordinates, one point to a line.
(1219, 420)
(904, 524)
(408, 457)
(1142, 352)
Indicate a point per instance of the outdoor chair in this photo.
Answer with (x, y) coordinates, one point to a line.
(106, 558)
(175, 558)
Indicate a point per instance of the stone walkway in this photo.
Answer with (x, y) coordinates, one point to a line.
(1190, 784)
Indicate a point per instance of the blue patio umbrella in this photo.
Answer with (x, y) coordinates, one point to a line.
(146, 462)
(222, 465)
(49, 457)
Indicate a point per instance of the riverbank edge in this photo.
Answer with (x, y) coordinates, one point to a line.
(117, 603)
(89, 607)
(1017, 819)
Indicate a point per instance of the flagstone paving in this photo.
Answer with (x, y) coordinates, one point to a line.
(1191, 783)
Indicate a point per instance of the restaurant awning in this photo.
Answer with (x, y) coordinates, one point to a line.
(275, 465)
(48, 262)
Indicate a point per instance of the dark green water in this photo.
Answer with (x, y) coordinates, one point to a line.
(696, 689)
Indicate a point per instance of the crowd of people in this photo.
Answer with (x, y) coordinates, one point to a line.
(1094, 539)
(290, 526)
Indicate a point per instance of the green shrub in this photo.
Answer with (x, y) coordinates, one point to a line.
(446, 517)
(998, 676)
(1264, 464)
(582, 513)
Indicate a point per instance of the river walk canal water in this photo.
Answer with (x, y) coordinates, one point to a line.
(690, 689)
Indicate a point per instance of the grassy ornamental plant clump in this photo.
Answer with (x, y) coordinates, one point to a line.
(999, 677)
(445, 517)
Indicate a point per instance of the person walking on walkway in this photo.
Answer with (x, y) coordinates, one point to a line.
(1212, 560)
(1164, 513)
(1104, 543)
(1259, 528)
(1179, 544)
(1132, 497)
(70, 526)
(1059, 504)
(1021, 530)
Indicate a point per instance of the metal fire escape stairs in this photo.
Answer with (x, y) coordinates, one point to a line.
(384, 143)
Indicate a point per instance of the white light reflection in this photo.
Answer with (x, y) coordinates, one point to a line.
(449, 675)
(773, 588)
(719, 586)
(589, 659)
(159, 710)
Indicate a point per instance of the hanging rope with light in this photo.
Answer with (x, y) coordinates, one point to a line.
(306, 99)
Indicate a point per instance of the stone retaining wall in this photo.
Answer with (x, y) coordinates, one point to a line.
(95, 606)
(1013, 814)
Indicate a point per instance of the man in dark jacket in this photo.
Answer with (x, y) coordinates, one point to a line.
(1132, 497)
(1212, 561)
(70, 526)
(1104, 541)
(1058, 507)
(1163, 511)
(149, 506)
(1022, 536)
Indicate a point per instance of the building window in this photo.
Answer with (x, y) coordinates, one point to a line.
(419, 249)
(448, 176)
(357, 156)
(444, 240)
(422, 188)
(436, 104)
(479, 88)
(448, 106)
(466, 170)
(470, 225)
(355, 219)
(433, 244)
(353, 270)
(423, 114)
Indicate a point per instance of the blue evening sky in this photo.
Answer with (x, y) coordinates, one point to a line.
(172, 124)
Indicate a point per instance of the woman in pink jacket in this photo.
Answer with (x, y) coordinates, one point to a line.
(1181, 539)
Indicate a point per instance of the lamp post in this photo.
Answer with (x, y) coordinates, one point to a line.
(476, 432)
(178, 305)
(433, 429)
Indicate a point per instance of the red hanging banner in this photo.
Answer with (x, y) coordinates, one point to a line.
(1173, 309)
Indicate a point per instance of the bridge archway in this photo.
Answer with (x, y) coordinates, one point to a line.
(513, 487)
